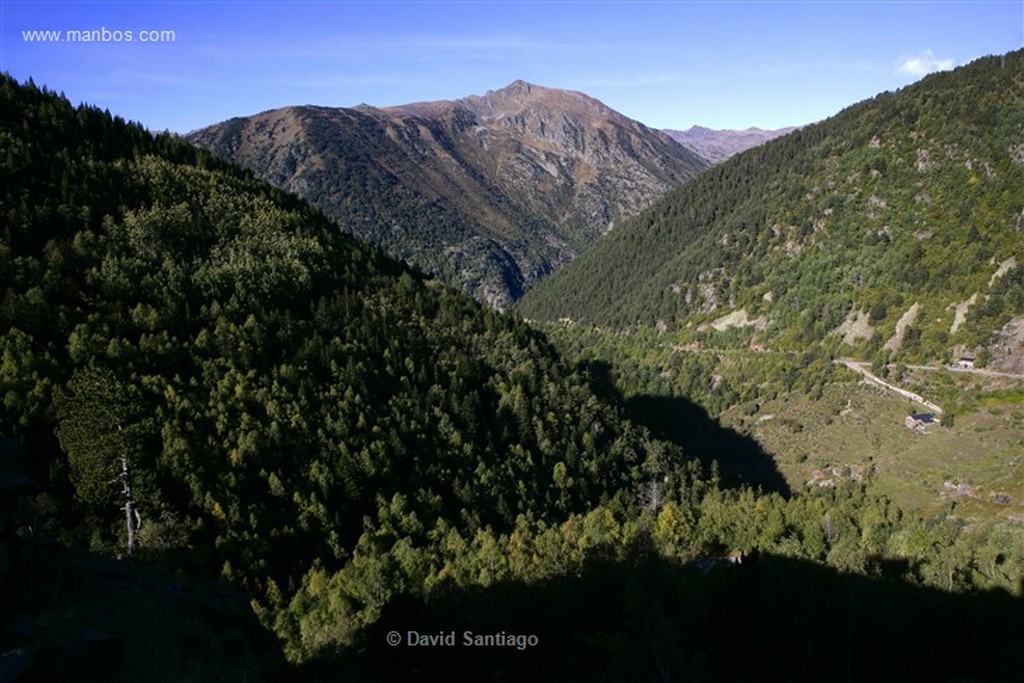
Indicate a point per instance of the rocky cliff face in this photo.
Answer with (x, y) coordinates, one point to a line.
(490, 193)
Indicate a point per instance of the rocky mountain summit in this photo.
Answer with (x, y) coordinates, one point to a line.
(489, 192)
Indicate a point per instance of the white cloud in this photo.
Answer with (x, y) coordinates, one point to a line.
(923, 63)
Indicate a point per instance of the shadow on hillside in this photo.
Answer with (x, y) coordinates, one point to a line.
(647, 619)
(741, 459)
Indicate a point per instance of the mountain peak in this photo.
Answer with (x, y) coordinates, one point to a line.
(520, 95)
(513, 99)
(517, 87)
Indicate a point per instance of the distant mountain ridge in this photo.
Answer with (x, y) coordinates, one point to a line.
(890, 230)
(489, 192)
(718, 145)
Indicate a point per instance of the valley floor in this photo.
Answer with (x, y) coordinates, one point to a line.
(857, 431)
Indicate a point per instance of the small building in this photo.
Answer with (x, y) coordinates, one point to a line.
(920, 422)
(965, 361)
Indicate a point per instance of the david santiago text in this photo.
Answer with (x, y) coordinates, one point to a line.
(468, 639)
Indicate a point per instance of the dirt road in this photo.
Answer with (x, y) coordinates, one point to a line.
(865, 369)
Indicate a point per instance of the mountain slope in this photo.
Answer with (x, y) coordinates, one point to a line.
(893, 227)
(266, 388)
(718, 145)
(489, 192)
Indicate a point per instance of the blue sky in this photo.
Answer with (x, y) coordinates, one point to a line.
(667, 64)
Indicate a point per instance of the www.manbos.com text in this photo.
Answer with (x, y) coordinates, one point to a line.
(99, 35)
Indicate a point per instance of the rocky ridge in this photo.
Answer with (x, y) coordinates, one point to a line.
(718, 145)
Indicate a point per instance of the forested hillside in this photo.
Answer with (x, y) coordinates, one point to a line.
(275, 388)
(241, 444)
(489, 193)
(891, 228)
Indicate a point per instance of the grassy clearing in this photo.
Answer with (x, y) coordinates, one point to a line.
(857, 430)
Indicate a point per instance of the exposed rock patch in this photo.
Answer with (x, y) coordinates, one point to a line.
(875, 205)
(1003, 269)
(855, 328)
(924, 161)
(906, 320)
(738, 318)
(960, 314)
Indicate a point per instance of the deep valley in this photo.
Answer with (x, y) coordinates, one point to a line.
(312, 394)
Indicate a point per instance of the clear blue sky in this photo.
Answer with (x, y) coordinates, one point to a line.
(667, 64)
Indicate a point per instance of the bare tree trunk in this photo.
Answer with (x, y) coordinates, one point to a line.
(132, 518)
